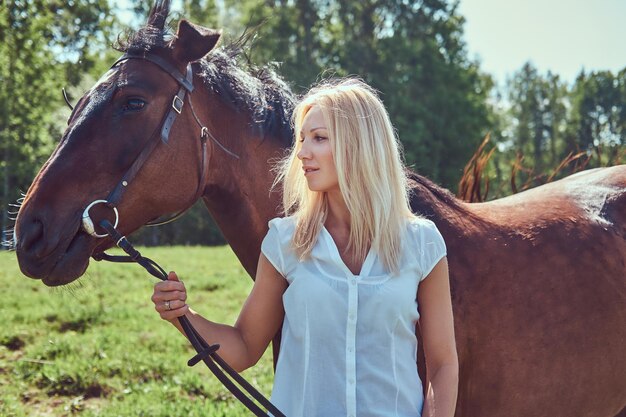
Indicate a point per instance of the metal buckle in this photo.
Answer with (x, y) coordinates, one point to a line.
(88, 225)
(180, 106)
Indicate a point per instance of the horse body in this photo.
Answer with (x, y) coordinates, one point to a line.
(537, 279)
(538, 290)
(539, 297)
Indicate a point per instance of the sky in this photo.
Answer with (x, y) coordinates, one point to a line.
(563, 36)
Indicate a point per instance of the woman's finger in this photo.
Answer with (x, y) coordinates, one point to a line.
(168, 305)
(169, 295)
(172, 314)
(169, 286)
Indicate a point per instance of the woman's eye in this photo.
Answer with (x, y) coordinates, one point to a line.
(315, 138)
(133, 104)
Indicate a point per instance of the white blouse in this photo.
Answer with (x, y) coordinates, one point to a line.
(348, 341)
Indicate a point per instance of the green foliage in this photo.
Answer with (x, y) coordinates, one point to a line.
(201, 12)
(81, 34)
(547, 129)
(598, 112)
(27, 86)
(538, 111)
(440, 102)
(44, 45)
(536, 122)
(98, 348)
(412, 52)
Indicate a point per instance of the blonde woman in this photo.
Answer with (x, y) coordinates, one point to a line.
(348, 273)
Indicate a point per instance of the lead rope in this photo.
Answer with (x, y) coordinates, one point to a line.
(204, 352)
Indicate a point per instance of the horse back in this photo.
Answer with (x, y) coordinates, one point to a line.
(595, 198)
(539, 293)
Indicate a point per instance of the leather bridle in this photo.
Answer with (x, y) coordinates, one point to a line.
(183, 94)
(205, 352)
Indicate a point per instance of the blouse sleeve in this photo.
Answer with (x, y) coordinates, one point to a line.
(276, 245)
(432, 247)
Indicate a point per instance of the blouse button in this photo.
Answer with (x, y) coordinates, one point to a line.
(353, 281)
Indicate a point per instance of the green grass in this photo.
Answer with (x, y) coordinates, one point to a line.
(98, 347)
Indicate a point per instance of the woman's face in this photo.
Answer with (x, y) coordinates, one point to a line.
(315, 153)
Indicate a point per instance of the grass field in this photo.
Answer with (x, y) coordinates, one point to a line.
(98, 348)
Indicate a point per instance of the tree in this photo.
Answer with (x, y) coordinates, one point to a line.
(538, 114)
(39, 53)
(547, 130)
(410, 51)
(598, 114)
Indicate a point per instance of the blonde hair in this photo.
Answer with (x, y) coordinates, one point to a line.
(372, 179)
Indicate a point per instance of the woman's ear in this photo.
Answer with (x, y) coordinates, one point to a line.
(192, 42)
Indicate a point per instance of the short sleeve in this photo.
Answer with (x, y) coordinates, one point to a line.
(276, 245)
(431, 246)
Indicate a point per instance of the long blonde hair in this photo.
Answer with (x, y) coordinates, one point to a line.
(372, 179)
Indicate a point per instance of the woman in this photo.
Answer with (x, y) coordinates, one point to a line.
(341, 274)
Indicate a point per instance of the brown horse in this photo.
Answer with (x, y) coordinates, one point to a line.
(538, 278)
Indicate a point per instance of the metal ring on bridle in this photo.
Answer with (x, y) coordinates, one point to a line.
(88, 225)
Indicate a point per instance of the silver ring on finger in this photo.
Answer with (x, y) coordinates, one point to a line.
(168, 307)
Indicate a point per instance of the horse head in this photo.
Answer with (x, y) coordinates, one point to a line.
(112, 124)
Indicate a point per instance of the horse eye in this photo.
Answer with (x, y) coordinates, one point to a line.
(133, 104)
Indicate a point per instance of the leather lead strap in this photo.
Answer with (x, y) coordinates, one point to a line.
(204, 352)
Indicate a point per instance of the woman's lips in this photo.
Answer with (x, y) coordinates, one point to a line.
(308, 171)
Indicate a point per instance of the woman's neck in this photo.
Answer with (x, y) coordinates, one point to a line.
(338, 216)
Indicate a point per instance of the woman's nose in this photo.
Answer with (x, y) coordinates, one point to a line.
(303, 153)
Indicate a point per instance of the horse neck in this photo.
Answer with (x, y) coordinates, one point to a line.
(441, 206)
(237, 193)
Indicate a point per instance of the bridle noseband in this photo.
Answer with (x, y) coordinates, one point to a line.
(205, 352)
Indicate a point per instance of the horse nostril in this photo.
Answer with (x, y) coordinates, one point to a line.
(30, 235)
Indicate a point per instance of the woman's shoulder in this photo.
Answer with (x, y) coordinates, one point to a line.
(420, 222)
(422, 228)
(427, 243)
(276, 245)
(282, 224)
(282, 221)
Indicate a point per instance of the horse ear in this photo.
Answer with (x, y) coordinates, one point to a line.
(193, 42)
(158, 14)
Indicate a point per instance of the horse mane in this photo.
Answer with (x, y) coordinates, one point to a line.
(227, 72)
(259, 91)
(263, 94)
(427, 198)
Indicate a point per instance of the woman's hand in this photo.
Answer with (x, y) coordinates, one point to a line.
(169, 298)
